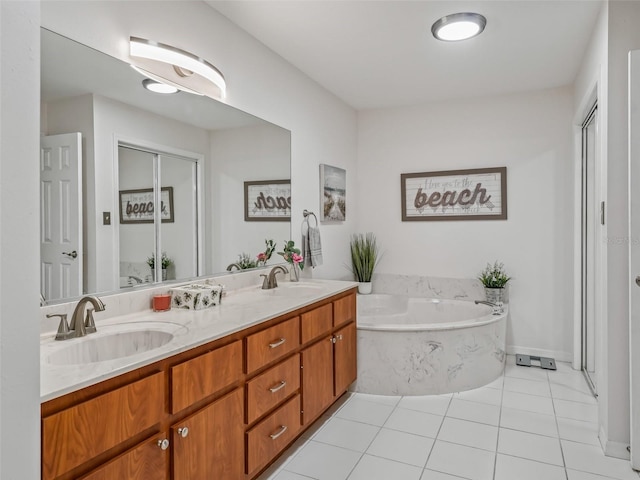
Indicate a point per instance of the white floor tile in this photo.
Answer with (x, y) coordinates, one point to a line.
(512, 468)
(576, 410)
(323, 462)
(473, 411)
(565, 392)
(460, 460)
(531, 387)
(529, 422)
(376, 468)
(578, 431)
(530, 403)
(576, 475)
(574, 379)
(347, 434)
(341, 402)
(383, 399)
(563, 367)
(418, 423)
(436, 404)
(528, 373)
(363, 411)
(467, 433)
(531, 446)
(401, 447)
(433, 475)
(284, 475)
(497, 383)
(316, 426)
(487, 395)
(589, 458)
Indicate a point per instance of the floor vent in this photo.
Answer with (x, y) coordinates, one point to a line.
(531, 361)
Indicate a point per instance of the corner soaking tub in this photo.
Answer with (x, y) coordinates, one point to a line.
(422, 346)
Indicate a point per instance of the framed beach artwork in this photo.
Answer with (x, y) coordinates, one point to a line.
(476, 194)
(267, 201)
(333, 193)
(136, 206)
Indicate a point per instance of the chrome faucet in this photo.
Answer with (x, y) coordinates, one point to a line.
(230, 267)
(79, 325)
(497, 307)
(270, 281)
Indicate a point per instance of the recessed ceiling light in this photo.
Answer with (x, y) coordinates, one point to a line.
(158, 87)
(459, 26)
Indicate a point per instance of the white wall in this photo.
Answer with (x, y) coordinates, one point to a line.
(528, 133)
(259, 82)
(19, 238)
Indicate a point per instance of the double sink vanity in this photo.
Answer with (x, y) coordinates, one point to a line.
(213, 393)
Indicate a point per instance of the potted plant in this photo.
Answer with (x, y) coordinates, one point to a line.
(364, 258)
(166, 262)
(292, 255)
(495, 279)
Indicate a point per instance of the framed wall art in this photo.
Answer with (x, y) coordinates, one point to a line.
(333, 193)
(136, 206)
(267, 201)
(476, 194)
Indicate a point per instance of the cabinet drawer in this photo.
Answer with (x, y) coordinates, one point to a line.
(273, 343)
(273, 434)
(344, 310)
(147, 460)
(202, 376)
(77, 434)
(316, 323)
(271, 387)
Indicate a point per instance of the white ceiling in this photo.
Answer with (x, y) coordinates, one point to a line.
(380, 53)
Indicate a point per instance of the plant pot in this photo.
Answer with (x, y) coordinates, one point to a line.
(495, 295)
(364, 288)
(294, 272)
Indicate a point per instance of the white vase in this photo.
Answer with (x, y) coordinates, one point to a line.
(364, 288)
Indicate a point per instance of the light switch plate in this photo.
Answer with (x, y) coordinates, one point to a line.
(106, 218)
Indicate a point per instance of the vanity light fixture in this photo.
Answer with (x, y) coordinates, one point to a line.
(458, 26)
(158, 79)
(158, 87)
(184, 63)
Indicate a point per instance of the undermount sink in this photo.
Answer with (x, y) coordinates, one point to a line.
(295, 288)
(112, 342)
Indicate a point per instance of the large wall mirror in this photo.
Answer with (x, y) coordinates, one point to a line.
(132, 179)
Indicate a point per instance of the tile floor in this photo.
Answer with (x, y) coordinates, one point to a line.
(530, 424)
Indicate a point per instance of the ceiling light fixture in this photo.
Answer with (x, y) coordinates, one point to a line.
(158, 87)
(459, 26)
(184, 63)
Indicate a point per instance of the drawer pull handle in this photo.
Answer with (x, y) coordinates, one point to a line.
(278, 387)
(163, 444)
(278, 343)
(183, 432)
(283, 428)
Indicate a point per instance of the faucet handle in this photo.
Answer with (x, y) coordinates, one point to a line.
(64, 332)
(89, 323)
(265, 281)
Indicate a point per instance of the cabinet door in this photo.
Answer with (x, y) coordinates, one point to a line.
(317, 322)
(146, 461)
(345, 358)
(213, 445)
(344, 310)
(317, 378)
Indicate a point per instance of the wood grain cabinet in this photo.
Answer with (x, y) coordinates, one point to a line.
(223, 410)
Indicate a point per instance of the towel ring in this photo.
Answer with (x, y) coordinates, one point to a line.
(306, 213)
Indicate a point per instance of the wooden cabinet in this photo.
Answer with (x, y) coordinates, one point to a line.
(224, 410)
(210, 443)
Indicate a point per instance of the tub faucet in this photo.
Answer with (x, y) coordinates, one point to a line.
(270, 281)
(497, 307)
(232, 266)
(77, 318)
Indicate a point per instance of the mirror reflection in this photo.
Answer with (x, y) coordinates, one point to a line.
(139, 187)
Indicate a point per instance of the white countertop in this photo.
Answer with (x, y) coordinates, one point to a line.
(239, 310)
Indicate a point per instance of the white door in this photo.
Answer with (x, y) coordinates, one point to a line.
(634, 253)
(61, 216)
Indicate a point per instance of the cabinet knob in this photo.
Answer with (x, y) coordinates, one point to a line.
(339, 337)
(163, 444)
(183, 431)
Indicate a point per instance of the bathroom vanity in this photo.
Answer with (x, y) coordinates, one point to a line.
(222, 401)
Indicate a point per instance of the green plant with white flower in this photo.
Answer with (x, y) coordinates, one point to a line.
(494, 276)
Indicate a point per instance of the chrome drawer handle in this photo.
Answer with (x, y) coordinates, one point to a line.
(283, 428)
(163, 444)
(278, 343)
(278, 387)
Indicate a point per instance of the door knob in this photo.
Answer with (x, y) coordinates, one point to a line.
(73, 254)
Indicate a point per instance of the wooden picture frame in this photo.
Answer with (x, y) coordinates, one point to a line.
(267, 201)
(136, 206)
(475, 194)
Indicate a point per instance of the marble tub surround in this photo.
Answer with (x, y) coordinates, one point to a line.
(241, 308)
(431, 287)
(417, 346)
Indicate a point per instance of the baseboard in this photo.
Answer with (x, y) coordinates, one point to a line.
(613, 449)
(538, 352)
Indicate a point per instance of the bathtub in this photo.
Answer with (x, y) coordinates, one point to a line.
(423, 346)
